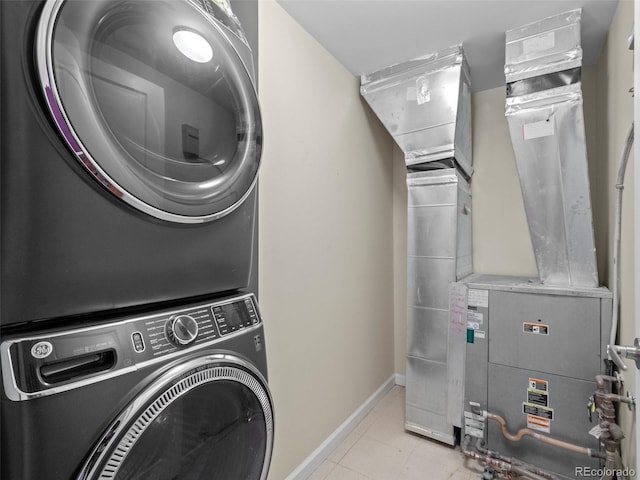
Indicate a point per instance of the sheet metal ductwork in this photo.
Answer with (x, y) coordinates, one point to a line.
(425, 104)
(546, 123)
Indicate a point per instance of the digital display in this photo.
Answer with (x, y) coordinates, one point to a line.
(231, 317)
(236, 315)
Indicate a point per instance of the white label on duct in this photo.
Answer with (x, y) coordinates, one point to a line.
(545, 128)
(479, 334)
(423, 94)
(473, 316)
(539, 43)
(478, 298)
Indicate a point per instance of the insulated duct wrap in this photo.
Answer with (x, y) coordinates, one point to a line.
(546, 123)
(425, 104)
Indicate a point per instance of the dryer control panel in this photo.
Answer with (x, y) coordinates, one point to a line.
(61, 360)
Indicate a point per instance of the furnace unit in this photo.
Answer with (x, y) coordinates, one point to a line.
(532, 355)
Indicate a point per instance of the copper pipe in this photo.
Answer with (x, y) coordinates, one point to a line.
(505, 464)
(525, 432)
(602, 380)
(610, 439)
(531, 469)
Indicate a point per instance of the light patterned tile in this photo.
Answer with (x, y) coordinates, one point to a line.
(393, 406)
(433, 460)
(322, 471)
(343, 473)
(375, 459)
(389, 429)
(464, 474)
(390, 401)
(380, 449)
(366, 422)
(440, 452)
(342, 449)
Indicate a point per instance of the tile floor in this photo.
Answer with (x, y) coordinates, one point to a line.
(380, 449)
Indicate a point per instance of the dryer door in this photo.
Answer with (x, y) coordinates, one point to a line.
(156, 100)
(207, 418)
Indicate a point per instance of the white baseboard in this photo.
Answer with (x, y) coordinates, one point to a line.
(401, 380)
(320, 454)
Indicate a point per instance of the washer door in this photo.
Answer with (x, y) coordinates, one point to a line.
(156, 101)
(207, 418)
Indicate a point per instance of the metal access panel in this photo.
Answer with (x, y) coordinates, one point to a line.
(549, 333)
(532, 354)
(477, 349)
(439, 253)
(549, 404)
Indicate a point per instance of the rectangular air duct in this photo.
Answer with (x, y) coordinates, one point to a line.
(546, 123)
(438, 253)
(425, 104)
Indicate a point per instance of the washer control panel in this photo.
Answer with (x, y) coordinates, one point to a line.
(45, 364)
(206, 323)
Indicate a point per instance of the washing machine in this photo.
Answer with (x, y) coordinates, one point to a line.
(177, 393)
(131, 141)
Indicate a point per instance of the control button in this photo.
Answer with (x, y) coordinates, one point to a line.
(182, 330)
(138, 342)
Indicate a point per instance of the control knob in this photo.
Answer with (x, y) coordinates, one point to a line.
(182, 330)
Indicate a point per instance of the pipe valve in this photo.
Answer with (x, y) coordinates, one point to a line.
(626, 352)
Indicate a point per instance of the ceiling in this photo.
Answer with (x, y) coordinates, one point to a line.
(366, 35)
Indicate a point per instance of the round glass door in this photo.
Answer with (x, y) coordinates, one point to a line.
(206, 419)
(155, 100)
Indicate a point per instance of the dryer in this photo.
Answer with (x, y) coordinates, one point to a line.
(131, 140)
(176, 393)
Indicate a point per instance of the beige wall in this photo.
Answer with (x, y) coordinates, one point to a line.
(614, 117)
(326, 223)
(501, 241)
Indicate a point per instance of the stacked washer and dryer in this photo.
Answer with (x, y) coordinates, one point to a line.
(132, 344)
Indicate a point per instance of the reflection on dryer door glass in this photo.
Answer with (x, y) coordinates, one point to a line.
(161, 100)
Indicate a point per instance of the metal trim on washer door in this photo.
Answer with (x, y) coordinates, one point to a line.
(128, 427)
(45, 70)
